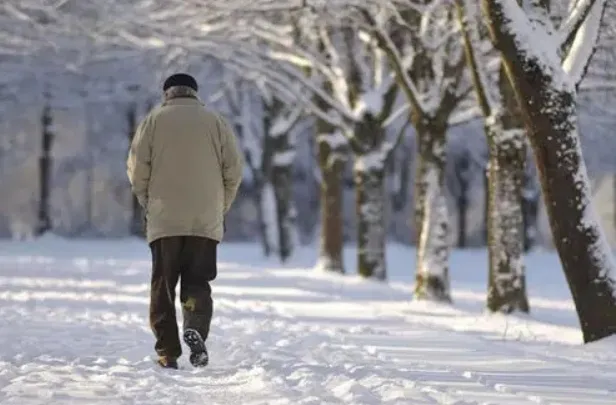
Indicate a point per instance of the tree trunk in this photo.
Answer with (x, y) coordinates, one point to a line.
(486, 199)
(369, 176)
(431, 217)
(462, 168)
(332, 237)
(530, 209)
(282, 181)
(462, 204)
(506, 279)
(506, 174)
(137, 224)
(401, 196)
(44, 222)
(265, 197)
(268, 217)
(549, 109)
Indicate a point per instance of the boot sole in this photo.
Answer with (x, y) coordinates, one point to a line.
(198, 352)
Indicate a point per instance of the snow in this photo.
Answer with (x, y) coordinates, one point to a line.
(285, 158)
(269, 215)
(74, 330)
(371, 102)
(585, 43)
(370, 161)
(334, 139)
(284, 123)
(535, 42)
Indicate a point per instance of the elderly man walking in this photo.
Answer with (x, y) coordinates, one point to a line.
(185, 168)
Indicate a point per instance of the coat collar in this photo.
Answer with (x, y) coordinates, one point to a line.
(183, 101)
(181, 95)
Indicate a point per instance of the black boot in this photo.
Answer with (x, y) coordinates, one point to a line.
(198, 352)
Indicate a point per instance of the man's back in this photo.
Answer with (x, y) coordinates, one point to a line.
(195, 170)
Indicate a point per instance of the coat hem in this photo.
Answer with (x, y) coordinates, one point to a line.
(152, 238)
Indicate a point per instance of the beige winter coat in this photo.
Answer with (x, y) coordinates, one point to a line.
(185, 168)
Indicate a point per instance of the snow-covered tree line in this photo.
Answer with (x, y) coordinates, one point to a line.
(357, 82)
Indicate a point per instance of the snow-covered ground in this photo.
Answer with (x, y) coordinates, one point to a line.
(74, 330)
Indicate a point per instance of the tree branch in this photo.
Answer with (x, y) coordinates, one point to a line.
(478, 82)
(584, 44)
(390, 148)
(570, 27)
(385, 43)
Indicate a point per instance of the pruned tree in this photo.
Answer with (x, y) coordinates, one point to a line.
(268, 141)
(358, 102)
(425, 54)
(545, 80)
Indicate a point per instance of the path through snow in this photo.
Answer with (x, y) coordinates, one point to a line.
(73, 330)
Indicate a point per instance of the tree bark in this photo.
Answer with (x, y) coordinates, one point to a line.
(369, 176)
(462, 175)
(506, 174)
(266, 200)
(506, 279)
(282, 180)
(137, 224)
(332, 236)
(486, 198)
(530, 209)
(548, 106)
(431, 217)
(45, 162)
(462, 204)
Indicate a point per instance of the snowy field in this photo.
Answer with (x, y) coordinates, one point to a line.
(74, 330)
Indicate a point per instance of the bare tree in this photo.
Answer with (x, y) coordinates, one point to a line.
(359, 107)
(429, 69)
(545, 81)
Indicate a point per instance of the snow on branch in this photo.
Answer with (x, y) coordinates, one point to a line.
(389, 147)
(569, 28)
(284, 122)
(538, 13)
(470, 38)
(564, 57)
(531, 39)
(584, 43)
(387, 44)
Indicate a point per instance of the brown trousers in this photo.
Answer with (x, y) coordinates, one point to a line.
(192, 260)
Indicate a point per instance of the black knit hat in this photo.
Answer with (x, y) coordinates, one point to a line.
(181, 79)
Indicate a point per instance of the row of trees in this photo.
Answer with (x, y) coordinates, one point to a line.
(357, 67)
(359, 75)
